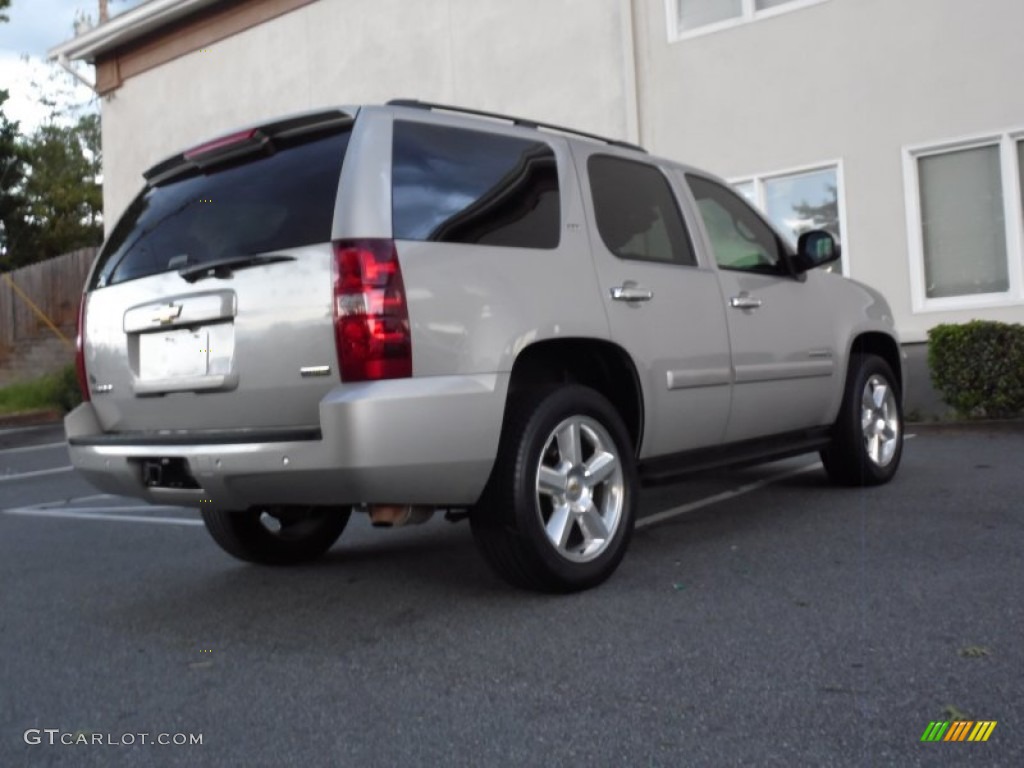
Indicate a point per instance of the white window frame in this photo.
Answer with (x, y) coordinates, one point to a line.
(828, 165)
(747, 15)
(1013, 215)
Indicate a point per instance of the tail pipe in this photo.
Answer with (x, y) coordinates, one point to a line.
(396, 515)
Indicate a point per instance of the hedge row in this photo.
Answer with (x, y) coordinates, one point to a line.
(979, 367)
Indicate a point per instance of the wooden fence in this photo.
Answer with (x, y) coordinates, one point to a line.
(54, 286)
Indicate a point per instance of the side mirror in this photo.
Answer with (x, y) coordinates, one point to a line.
(815, 248)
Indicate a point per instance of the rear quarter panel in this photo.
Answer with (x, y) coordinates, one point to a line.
(473, 308)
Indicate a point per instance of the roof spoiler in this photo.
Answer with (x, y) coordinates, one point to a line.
(239, 143)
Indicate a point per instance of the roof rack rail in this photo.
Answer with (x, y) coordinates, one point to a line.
(431, 106)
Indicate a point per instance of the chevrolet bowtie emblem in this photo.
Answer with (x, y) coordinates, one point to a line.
(166, 314)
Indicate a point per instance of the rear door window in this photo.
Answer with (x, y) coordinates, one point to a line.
(636, 212)
(455, 185)
(267, 203)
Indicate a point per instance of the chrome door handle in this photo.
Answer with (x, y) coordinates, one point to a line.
(744, 302)
(629, 293)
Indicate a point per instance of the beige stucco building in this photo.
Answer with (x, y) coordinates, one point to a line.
(895, 123)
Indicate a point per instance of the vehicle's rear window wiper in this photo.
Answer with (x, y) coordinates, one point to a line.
(224, 267)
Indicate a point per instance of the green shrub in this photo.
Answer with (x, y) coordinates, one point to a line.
(67, 394)
(979, 367)
(52, 390)
(25, 396)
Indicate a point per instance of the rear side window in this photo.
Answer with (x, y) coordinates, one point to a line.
(636, 212)
(267, 203)
(454, 185)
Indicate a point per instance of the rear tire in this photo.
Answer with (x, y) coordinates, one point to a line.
(276, 535)
(557, 514)
(868, 440)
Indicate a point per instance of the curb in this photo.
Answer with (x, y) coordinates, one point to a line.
(32, 418)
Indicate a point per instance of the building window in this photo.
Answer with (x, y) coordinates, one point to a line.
(688, 17)
(799, 201)
(964, 223)
(700, 13)
(747, 189)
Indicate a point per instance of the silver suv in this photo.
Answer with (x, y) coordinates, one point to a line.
(404, 308)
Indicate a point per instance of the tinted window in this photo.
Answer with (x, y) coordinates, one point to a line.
(283, 200)
(460, 186)
(739, 237)
(636, 212)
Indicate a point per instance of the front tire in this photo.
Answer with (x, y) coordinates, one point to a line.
(558, 511)
(868, 440)
(276, 535)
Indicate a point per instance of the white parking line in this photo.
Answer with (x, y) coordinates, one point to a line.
(90, 498)
(668, 514)
(36, 473)
(84, 513)
(75, 500)
(61, 444)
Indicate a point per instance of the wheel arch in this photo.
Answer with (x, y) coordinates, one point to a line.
(883, 345)
(601, 365)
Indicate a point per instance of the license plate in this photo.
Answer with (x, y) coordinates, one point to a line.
(174, 354)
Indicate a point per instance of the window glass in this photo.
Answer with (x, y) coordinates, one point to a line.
(267, 203)
(746, 188)
(1020, 163)
(761, 5)
(962, 223)
(455, 185)
(798, 202)
(699, 13)
(739, 238)
(801, 202)
(636, 211)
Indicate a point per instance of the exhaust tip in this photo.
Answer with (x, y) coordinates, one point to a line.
(396, 515)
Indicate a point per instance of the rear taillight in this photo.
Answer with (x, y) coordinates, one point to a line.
(371, 317)
(83, 382)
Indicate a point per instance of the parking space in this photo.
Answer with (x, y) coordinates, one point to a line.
(766, 619)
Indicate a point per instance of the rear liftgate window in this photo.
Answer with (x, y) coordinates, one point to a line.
(282, 198)
(454, 185)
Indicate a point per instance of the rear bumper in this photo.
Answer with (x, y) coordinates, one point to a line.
(428, 440)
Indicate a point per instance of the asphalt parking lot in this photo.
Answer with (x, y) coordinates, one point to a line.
(761, 618)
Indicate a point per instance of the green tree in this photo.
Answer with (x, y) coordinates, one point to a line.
(11, 165)
(61, 196)
(51, 198)
(12, 173)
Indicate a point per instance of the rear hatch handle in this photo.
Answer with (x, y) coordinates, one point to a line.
(222, 268)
